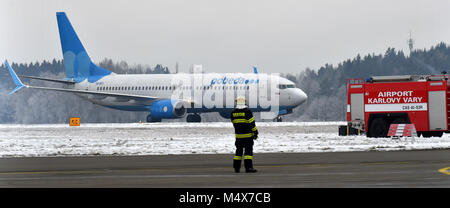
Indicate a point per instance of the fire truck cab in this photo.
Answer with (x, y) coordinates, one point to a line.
(375, 103)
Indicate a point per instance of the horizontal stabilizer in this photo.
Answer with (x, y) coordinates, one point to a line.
(16, 79)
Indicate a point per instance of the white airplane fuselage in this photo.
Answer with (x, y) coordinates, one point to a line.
(201, 89)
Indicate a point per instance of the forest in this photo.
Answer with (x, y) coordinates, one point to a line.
(325, 87)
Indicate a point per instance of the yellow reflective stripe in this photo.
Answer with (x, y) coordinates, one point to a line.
(240, 120)
(244, 135)
(248, 157)
(243, 120)
(237, 158)
(238, 114)
(254, 128)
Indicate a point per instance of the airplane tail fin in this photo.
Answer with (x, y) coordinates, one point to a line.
(77, 62)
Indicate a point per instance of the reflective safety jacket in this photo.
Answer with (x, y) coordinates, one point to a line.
(244, 123)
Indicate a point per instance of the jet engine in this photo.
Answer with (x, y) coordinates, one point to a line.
(167, 109)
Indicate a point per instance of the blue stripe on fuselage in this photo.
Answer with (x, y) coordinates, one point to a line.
(195, 110)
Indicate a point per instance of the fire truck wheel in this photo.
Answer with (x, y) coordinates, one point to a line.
(428, 134)
(378, 128)
(439, 134)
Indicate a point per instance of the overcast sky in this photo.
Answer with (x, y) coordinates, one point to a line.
(225, 35)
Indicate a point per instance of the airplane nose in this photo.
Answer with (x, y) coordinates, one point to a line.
(300, 97)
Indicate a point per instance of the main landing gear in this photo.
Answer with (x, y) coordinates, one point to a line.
(278, 119)
(193, 118)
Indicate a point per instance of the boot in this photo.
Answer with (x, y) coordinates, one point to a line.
(249, 166)
(251, 170)
(237, 165)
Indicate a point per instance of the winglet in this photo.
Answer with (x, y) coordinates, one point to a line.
(255, 70)
(15, 78)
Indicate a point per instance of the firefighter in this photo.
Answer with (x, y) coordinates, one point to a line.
(245, 132)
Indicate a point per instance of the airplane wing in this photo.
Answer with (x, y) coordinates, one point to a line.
(98, 95)
(48, 79)
(105, 94)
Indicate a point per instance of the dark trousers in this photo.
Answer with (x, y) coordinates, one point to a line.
(244, 150)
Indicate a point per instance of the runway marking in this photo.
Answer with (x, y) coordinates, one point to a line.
(445, 170)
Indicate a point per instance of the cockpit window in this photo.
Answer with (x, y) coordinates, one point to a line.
(284, 86)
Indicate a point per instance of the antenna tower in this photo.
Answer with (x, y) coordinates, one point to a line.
(410, 43)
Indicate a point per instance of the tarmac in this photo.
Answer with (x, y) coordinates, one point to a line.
(425, 168)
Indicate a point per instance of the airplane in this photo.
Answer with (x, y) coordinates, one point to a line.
(164, 96)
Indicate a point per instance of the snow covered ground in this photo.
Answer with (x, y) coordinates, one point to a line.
(192, 138)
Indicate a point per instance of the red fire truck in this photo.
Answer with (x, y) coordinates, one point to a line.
(375, 103)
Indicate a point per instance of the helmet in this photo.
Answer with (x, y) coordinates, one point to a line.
(240, 100)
